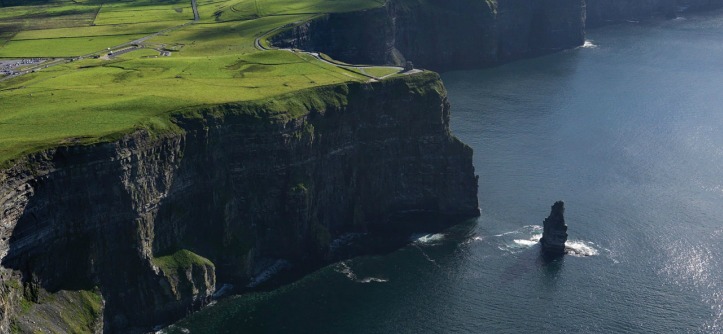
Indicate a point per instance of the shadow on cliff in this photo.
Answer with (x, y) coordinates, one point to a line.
(245, 187)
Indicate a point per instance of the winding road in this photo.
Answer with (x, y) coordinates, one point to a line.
(132, 45)
(358, 68)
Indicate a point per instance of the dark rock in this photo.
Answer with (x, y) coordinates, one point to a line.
(443, 35)
(408, 66)
(155, 222)
(554, 232)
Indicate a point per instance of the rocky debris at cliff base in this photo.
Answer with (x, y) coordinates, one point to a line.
(268, 272)
(554, 231)
(226, 289)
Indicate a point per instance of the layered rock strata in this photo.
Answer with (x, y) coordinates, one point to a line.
(143, 229)
(443, 35)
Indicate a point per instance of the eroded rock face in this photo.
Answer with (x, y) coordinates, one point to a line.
(146, 228)
(554, 233)
(457, 34)
(444, 35)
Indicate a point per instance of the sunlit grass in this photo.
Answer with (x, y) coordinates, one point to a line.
(111, 14)
(380, 71)
(212, 62)
(61, 47)
(100, 30)
(94, 98)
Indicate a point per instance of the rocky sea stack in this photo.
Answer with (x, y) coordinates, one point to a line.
(554, 232)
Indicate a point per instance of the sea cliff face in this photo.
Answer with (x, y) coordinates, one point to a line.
(458, 34)
(123, 236)
(443, 35)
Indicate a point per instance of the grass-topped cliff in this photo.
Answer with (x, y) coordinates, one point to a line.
(212, 61)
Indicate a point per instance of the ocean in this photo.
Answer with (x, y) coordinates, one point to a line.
(627, 130)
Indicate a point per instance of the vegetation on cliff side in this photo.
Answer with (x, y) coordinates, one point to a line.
(180, 260)
(190, 63)
(59, 312)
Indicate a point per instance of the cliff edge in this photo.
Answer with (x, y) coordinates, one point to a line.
(139, 231)
(443, 35)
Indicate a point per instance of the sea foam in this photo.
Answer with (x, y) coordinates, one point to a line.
(428, 238)
(343, 268)
(589, 45)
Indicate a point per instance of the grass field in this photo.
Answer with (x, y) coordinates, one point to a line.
(118, 13)
(380, 71)
(214, 61)
(61, 47)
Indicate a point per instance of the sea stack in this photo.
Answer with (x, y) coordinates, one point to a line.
(554, 232)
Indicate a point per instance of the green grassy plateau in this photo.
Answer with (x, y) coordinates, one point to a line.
(212, 61)
(180, 260)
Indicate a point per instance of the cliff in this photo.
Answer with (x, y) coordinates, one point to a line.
(443, 35)
(122, 236)
(458, 34)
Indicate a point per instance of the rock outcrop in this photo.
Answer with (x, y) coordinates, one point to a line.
(144, 229)
(554, 233)
(443, 35)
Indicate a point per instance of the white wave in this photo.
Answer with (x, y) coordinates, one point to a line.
(522, 238)
(529, 242)
(471, 240)
(372, 280)
(530, 235)
(580, 248)
(428, 238)
(589, 45)
(344, 268)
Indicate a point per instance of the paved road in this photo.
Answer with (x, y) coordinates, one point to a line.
(317, 55)
(196, 17)
(129, 46)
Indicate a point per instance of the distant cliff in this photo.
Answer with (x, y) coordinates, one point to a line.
(443, 35)
(457, 34)
(122, 236)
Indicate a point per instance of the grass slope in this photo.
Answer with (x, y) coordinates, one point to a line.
(213, 62)
(180, 260)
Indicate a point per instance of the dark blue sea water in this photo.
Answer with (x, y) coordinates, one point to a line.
(628, 130)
